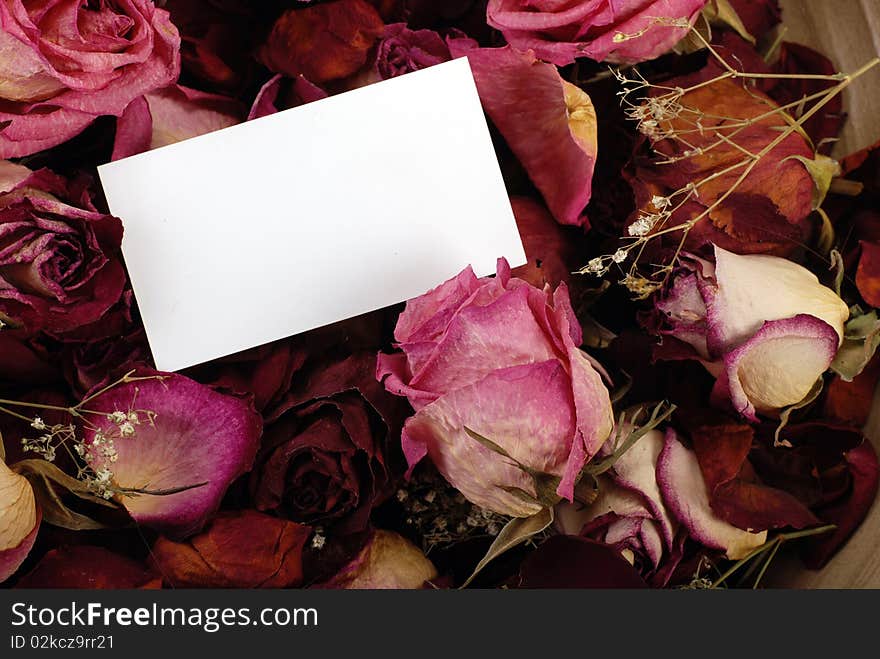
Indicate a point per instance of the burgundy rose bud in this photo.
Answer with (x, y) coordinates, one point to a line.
(264, 372)
(65, 64)
(622, 32)
(323, 458)
(402, 50)
(59, 258)
(387, 561)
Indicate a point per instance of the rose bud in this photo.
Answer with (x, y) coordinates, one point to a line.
(629, 513)
(402, 50)
(19, 520)
(323, 458)
(167, 448)
(387, 561)
(65, 64)
(762, 325)
(501, 389)
(59, 260)
(604, 30)
(322, 42)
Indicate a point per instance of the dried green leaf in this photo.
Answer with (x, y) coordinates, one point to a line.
(2, 448)
(861, 338)
(514, 533)
(721, 14)
(839, 268)
(826, 234)
(56, 512)
(545, 484)
(37, 469)
(822, 170)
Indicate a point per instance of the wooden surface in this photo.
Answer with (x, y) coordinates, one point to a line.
(847, 31)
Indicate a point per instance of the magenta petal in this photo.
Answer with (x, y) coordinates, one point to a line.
(687, 497)
(778, 366)
(199, 437)
(549, 126)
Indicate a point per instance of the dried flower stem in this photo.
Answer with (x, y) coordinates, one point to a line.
(654, 115)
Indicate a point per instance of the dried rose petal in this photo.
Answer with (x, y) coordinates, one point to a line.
(19, 520)
(242, 549)
(388, 561)
(323, 42)
(171, 115)
(549, 124)
(93, 568)
(199, 437)
(686, 495)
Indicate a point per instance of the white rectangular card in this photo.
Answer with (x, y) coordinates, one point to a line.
(316, 214)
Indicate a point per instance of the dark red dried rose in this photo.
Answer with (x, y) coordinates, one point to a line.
(59, 257)
(323, 458)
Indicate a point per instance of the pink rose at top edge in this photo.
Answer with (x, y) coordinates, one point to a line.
(617, 31)
(499, 357)
(66, 64)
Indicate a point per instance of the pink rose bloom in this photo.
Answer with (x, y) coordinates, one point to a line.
(66, 63)
(500, 358)
(619, 31)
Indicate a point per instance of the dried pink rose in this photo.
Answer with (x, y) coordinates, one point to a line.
(60, 265)
(280, 93)
(171, 115)
(619, 31)
(630, 513)
(19, 520)
(64, 64)
(500, 358)
(182, 434)
(762, 325)
(549, 124)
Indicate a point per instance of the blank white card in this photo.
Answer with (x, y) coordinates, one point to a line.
(316, 214)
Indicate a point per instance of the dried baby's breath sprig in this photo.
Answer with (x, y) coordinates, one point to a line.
(441, 516)
(93, 460)
(662, 114)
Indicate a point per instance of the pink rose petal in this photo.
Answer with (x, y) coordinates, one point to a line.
(199, 436)
(778, 366)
